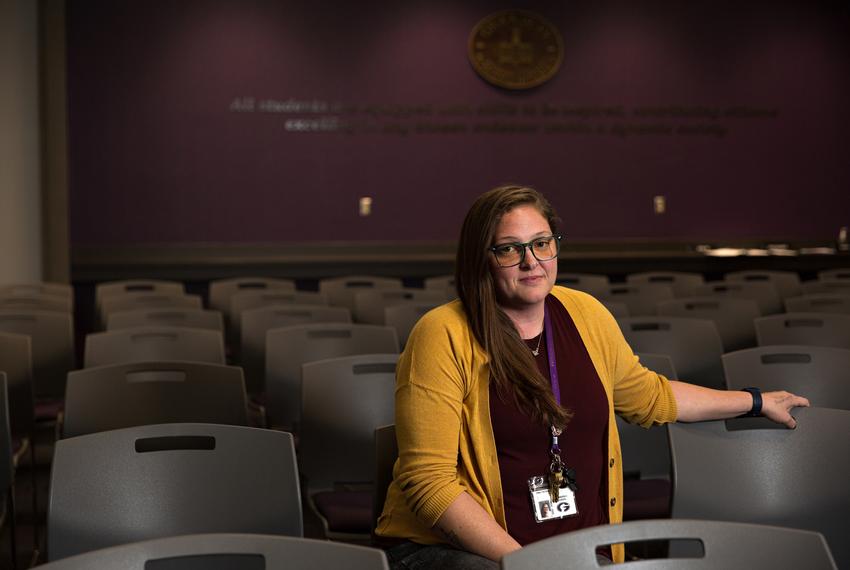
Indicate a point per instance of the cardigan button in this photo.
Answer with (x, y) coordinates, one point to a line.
(611, 462)
(613, 501)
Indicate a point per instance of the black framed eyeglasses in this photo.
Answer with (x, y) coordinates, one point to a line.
(543, 249)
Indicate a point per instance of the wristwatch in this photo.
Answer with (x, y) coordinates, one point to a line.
(755, 411)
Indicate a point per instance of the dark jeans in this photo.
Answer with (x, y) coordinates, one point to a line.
(412, 556)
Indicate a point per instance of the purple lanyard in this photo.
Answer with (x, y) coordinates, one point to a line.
(550, 352)
(555, 448)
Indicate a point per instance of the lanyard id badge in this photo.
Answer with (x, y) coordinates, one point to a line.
(553, 496)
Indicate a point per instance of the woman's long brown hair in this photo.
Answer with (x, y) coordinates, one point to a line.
(512, 366)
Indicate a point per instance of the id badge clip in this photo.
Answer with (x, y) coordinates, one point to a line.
(547, 505)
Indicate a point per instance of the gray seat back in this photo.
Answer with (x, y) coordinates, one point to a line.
(340, 291)
(404, 317)
(787, 283)
(814, 329)
(343, 401)
(133, 301)
(169, 317)
(732, 316)
(641, 299)
(692, 344)
(751, 470)
(142, 344)
(591, 283)
(52, 342)
(369, 304)
(819, 303)
(287, 348)
(725, 545)
(220, 290)
(257, 322)
(680, 281)
(764, 293)
(16, 362)
(225, 550)
(839, 286)
(133, 484)
(144, 393)
(821, 374)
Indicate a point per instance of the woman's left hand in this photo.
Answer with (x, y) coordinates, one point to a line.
(777, 407)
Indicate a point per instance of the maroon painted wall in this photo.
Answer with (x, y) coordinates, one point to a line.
(160, 151)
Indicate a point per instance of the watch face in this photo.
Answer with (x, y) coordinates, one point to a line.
(515, 49)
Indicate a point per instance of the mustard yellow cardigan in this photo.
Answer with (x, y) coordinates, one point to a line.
(445, 437)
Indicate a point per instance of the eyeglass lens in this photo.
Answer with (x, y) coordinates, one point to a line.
(543, 249)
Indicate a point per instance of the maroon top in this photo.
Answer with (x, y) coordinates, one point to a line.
(523, 445)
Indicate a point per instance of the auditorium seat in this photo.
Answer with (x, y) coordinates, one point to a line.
(764, 293)
(386, 454)
(444, 283)
(143, 393)
(38, 288)
(369, 305)
(821, 374)
(819, 303)
(7, 476)
(404, 317)
(787, 283)
(617, 309)
(679, 281)
(753, 470)
(340, 290)
(141, 344)
(646, 458)
(220, 551)
(733, 317)
(641, 299)
(692, 344)
(169, 317)
(133, 301)
(37, 302)
(836, 273)
(220, 290)
(109, 288)
(250, 299)
(52, 342)
(832, 286)
(590, 283)
(343, 401)
(815, 329)
(258, 321)
(722, 544)
(288, 348)
(127, 485)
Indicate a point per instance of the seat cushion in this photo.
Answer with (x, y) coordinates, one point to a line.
(346, 511)
(646, 499)
(48, 410)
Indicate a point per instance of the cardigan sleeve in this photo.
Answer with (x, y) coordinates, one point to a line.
(430, 388)
(640, 395)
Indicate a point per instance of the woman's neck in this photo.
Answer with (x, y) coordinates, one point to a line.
(528, 320)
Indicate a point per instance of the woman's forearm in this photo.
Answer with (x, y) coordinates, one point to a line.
(697, 403)
(468, 526)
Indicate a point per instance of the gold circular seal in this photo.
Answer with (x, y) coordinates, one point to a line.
(515, 49)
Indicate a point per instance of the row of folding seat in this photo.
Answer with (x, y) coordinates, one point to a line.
(696, 346)
(332, 336)
(772, 291)
(816, 428)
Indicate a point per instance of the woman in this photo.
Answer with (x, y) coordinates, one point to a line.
(508, 396)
